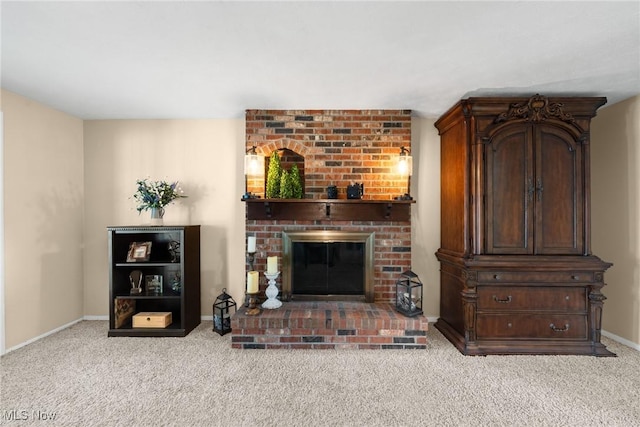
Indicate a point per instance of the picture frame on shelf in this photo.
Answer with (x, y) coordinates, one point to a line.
(139, 252)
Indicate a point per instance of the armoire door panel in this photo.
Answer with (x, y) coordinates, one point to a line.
(558, 225)
(509, 192)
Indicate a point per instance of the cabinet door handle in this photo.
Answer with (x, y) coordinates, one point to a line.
(502, 301)
(556, 329)
(539, 188)
(530, 190)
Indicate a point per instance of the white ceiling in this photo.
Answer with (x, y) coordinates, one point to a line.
(214, 59)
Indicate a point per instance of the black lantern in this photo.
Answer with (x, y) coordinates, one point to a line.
(409, 294)
(222, 312)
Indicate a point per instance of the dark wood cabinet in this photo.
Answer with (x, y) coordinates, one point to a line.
(174, 256)
(517, 273)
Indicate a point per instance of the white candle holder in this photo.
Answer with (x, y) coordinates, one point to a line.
(272, 292)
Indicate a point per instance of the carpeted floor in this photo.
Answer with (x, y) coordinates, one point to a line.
(79, 377)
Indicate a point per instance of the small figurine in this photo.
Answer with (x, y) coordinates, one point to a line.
(174, 250)
(135, 278)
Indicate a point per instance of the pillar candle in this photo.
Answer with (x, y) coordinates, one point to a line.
(251, 244)
(272, 264)
(252, 282)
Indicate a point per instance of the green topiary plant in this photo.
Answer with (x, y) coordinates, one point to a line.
(296, 182)
(273, 176)
(286, 186)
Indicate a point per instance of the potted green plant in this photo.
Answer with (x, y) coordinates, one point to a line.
(273, 176)
(286, 185)
(296, 182)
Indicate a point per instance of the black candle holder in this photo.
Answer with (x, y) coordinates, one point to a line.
(251, 257)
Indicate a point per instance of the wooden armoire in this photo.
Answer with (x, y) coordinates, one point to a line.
(516, 270)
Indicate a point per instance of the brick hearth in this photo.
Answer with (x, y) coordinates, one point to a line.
(329, 325)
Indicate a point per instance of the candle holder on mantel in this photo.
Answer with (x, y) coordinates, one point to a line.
(253, 309)
(251, 257)
(272, 292)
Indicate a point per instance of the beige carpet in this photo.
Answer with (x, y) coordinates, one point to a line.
(84, 378)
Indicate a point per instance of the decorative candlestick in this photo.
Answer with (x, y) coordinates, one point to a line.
(253, 309)
(272, 292)
(251, 251)
(251, 257)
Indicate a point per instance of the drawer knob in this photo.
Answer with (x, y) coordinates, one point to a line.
(556, 329)
(502, 301)
(575, 277)
(496, 276)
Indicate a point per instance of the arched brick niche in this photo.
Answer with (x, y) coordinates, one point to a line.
(339, 147)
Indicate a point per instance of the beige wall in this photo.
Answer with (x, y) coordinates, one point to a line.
(615, 165)
(425, 221)
(206, 156)
(43, 200)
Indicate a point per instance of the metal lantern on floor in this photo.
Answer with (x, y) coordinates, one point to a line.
(409, 294)
(222, 312)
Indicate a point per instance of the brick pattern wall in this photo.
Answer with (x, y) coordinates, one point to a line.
(339, 147)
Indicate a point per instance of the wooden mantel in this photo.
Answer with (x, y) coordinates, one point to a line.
(329, 209)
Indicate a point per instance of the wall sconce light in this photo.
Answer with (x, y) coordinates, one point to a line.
(405, 162)
(253, 163)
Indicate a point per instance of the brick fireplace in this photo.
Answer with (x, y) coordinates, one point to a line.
(333, 147)
(391, 252)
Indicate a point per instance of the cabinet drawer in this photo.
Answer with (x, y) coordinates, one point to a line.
(546, 298)
(494, 326)
(535, 276)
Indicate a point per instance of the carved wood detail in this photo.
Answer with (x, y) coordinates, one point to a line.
(536, 110)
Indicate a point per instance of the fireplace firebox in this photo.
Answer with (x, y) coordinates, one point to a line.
(328, 265)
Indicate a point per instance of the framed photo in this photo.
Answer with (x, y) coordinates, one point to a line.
(139, 251)
(153, 284)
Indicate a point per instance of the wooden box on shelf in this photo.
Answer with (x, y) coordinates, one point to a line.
(172, 260)
(149, 319)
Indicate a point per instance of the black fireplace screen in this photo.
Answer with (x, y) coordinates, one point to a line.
(336, 268)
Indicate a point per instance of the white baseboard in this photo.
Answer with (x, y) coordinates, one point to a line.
(431, 319)
(621, 340)
(32, 340)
